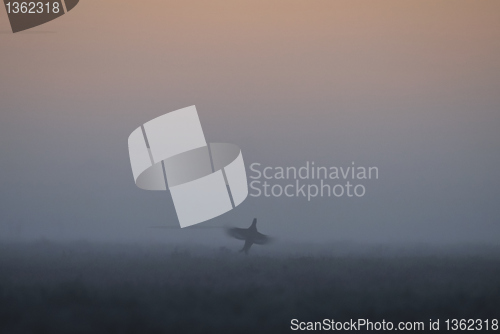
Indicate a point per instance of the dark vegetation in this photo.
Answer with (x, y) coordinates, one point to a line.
(101, 288)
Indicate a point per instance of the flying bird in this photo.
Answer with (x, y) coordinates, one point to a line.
(250, 235)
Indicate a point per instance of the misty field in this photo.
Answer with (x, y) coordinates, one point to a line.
(102, 288)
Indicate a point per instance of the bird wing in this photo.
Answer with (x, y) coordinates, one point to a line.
(261, 239)
(238, 233)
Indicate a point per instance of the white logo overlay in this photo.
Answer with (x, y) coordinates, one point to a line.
(205, 180)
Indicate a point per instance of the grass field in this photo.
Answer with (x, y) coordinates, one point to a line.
(50, 287)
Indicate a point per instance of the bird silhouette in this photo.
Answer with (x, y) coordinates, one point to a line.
(250, 235)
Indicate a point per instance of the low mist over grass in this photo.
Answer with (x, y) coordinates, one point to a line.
(84, 287)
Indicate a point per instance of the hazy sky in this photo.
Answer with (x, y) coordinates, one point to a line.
(411, 87)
